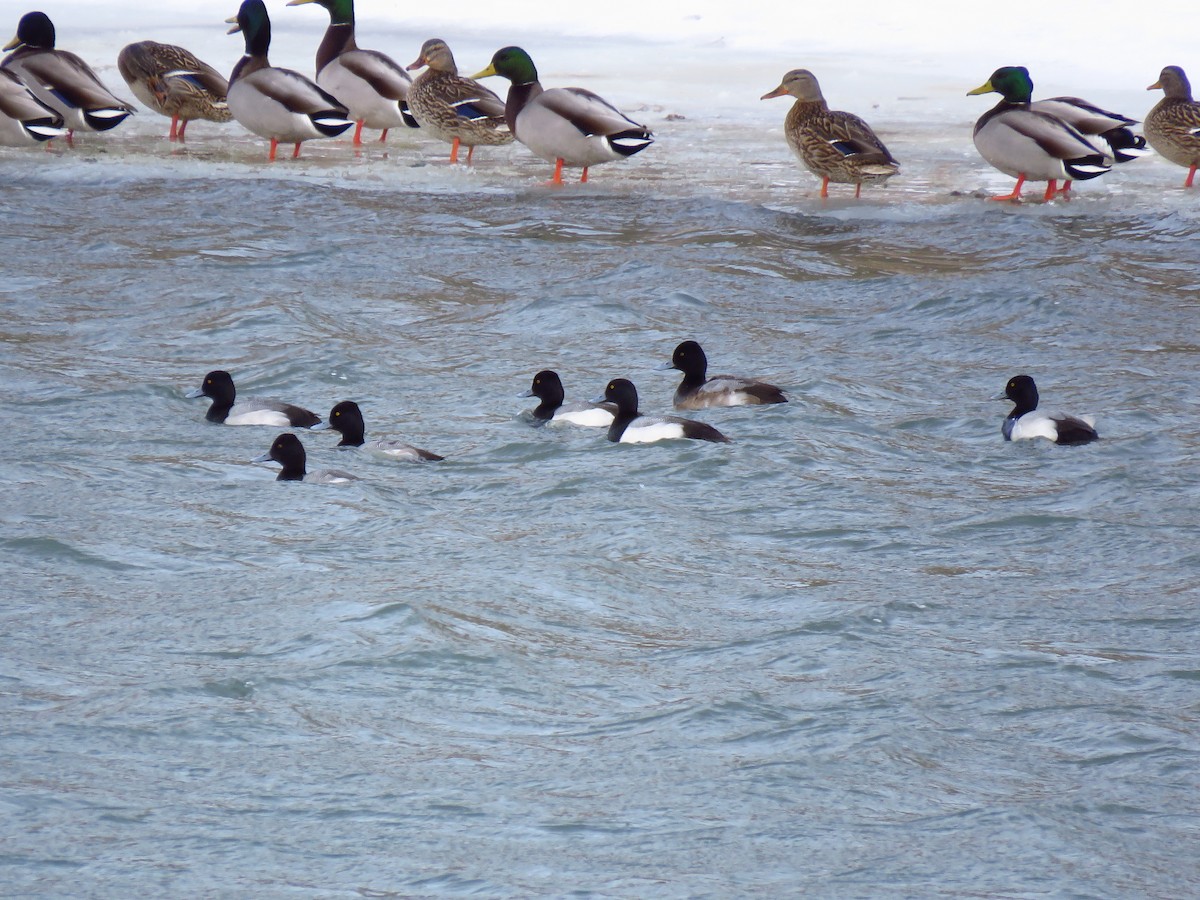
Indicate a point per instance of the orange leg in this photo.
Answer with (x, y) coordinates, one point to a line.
(858, 190)
(274, 147)
(1016, 192)
(183, 128)
(454, 151)
(558, 167)
(296, 151)
(357, 134)
(174, 135)
(470, 153)
(583, 177)
(825, 188)
(1066, 190)
(1051, 190)
(1191, 176)
(383, 137)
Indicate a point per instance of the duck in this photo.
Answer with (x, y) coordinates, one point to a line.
(372, 86)
(1027, 421)
(835, 146)
(453, 108)
(24, 119)
(1031, 145)
(1173, 126)
(227, 410)
(631, 427)
(548, 388)
(697, 391)
(347, 419)
(61, 80)
(566, 126)
(288, 451)
(174, 82)
(277, 104)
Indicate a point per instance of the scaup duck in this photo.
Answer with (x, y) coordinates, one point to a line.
(1027, 421)
(548, 388)
(697, 391)
(347, 419)
(289, 453)
(227, 410)
(631, 427)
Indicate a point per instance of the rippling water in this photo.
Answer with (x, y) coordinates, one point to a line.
(868, 649)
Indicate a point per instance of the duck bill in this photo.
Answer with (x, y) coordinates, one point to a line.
(528, 393)
(778, 92)
(417, 63)
(320, 426)
(194, 395)
(11, 45)
(232, 20)
(486, 73)
(666, 367)
(263, 457)
(985, 88)
(298, 2)
(1157, 86)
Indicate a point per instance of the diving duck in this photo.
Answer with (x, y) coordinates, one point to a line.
(835, 146)
(1027, 421)
(453, 108)
(631, 427)
(548, 388)
(373, 86)
(1173, 126)
(565, 126)
(1031, 145)
(346, 418)
(227, 409)
(277, 104)
(24, 119)
(62, 80)
(172, 81)
(698, 391)
(289, 453)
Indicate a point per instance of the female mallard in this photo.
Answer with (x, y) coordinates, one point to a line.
(566, 126)
(1173, 126)
(172, 81)
(24, 119)
(62, 80)
(277, 104)
(836, 146)
(453, 108)
(1031, 145)
(373, 86)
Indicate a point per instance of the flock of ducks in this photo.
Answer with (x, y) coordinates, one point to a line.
(616, 410)
(45, 92)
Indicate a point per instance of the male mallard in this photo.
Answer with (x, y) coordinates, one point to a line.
(62, 80)
(277, 104)
(24, 119)
(373, 86)
(836, 146)
(565, 126)
(1032, 145)
(453, 108)
(1173, 126)
(172, 81)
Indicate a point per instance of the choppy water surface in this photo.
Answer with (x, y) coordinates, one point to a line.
(868, 649)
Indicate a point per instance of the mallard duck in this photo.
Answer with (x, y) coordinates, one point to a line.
(347, 419)
(24, 119)
(172, 81)
(453, 108)
(277, 104)
(1026, 421)
(631, 427)
(836, 146)
(373, 86)
(1032, 145)
(62, 80)
(1173, 126)
(565, 126)
(698, 391)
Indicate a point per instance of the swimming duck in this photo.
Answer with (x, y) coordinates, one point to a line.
(227, 410)
(565, 126)
(1032, 145)
(347, 419)
(699, 392)
(835, 146)
(372, 85)
(548, 387)
(274, 103)
(1027, 421)
(289, 453)
(24, 119)
(62, 80)
(453, 108)
(631, 427)
(174, 82)
(1173, 126)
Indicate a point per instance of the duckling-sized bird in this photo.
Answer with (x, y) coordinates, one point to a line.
(1027, 421)
(453, 108)
(174, 82)
(697, 391)
(347, 419)
(835, 146)
(277, 104)
(1173, 126)
(631, 427)
(1031, 145)
(227, 410)
(24, 119)
(565, 126)
(548, 388)
(289, 453)
(372, 85)
(62, 80)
